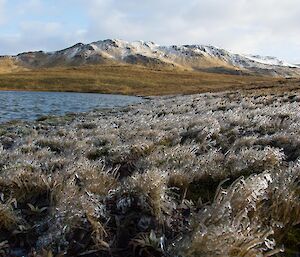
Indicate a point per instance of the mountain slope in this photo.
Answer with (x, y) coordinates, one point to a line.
(9, 64)
(187, 57)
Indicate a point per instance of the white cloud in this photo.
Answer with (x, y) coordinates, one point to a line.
(251, 26)
(243, 26)
(30, 7)
(2, 12)
(38, 29)
(34, 35)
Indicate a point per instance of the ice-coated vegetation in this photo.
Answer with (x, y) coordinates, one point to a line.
(203, 175)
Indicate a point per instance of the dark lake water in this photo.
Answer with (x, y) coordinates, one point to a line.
(32, 105)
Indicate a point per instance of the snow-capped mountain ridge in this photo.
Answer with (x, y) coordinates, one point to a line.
(193, 57)
(271, 60)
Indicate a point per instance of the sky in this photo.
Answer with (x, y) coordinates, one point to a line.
(265, 27)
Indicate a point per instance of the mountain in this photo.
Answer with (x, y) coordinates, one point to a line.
(188, 57)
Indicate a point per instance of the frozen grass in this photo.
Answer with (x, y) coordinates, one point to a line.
(201, 175)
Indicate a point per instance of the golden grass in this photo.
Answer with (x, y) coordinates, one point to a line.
(8, 65)
(129, 80)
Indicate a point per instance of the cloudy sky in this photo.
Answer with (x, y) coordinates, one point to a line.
(267, 27)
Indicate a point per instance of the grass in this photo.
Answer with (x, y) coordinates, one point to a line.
(214, 174)
(130, 80)
(8, 65)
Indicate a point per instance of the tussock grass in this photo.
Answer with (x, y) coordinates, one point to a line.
(213, 174)
(8, 219)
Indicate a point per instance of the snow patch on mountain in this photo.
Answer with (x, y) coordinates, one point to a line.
(270, 60)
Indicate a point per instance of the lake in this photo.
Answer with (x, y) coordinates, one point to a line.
(32, 105)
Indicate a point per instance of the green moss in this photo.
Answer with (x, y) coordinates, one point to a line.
(56, 120)
(87, 125)
(98, 142)
(54, 146)
(291, 242)
(2, 132)
(204, 189)
(97, 153)
(166, 142)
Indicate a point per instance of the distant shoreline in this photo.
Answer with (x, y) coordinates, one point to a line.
(75, 92)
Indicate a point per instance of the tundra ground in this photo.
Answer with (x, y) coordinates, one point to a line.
(214, 174)
(133, 80)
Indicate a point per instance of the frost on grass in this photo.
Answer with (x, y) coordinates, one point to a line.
(202, 175)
